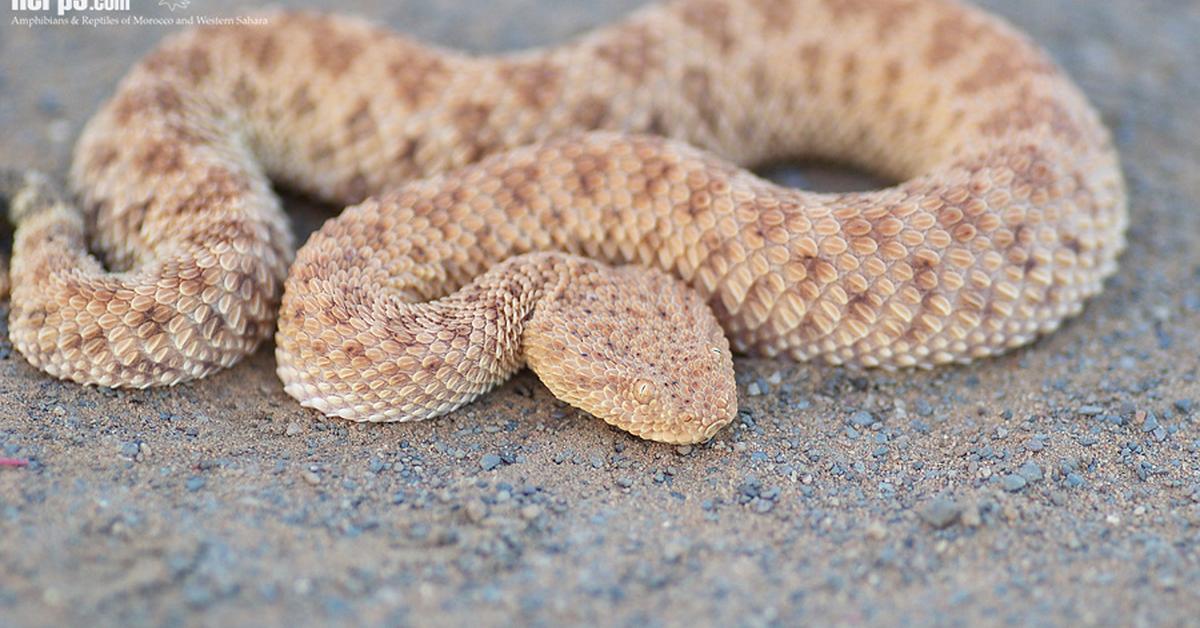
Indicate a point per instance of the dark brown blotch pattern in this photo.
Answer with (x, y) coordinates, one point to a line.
(634, 52)
(416, 74)
(537, 84)
(711, 19)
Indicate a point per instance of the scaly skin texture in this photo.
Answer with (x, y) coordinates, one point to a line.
(1010, 213)
(630, 345)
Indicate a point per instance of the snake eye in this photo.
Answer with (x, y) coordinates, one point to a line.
(643, 391)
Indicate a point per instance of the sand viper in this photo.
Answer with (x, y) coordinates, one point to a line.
(494, 191)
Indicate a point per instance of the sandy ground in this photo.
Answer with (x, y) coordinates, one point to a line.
(1058, 484)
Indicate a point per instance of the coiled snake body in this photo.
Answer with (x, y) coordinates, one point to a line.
(504, 186)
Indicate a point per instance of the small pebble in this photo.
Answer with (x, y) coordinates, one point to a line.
(862, 418)
(1112, 419)
(310, 477)
(939, 513)
(293, 428)
(675, 549)
(49, 104)
(1013, 482)
(195, 483)
(1031, 471)
(477, 511)
(489, 462)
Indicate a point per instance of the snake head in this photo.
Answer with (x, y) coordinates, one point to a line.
(636, 348)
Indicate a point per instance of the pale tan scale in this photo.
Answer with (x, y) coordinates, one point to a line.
(492, 175)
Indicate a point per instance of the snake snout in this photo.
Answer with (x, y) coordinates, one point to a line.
(721, 415)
